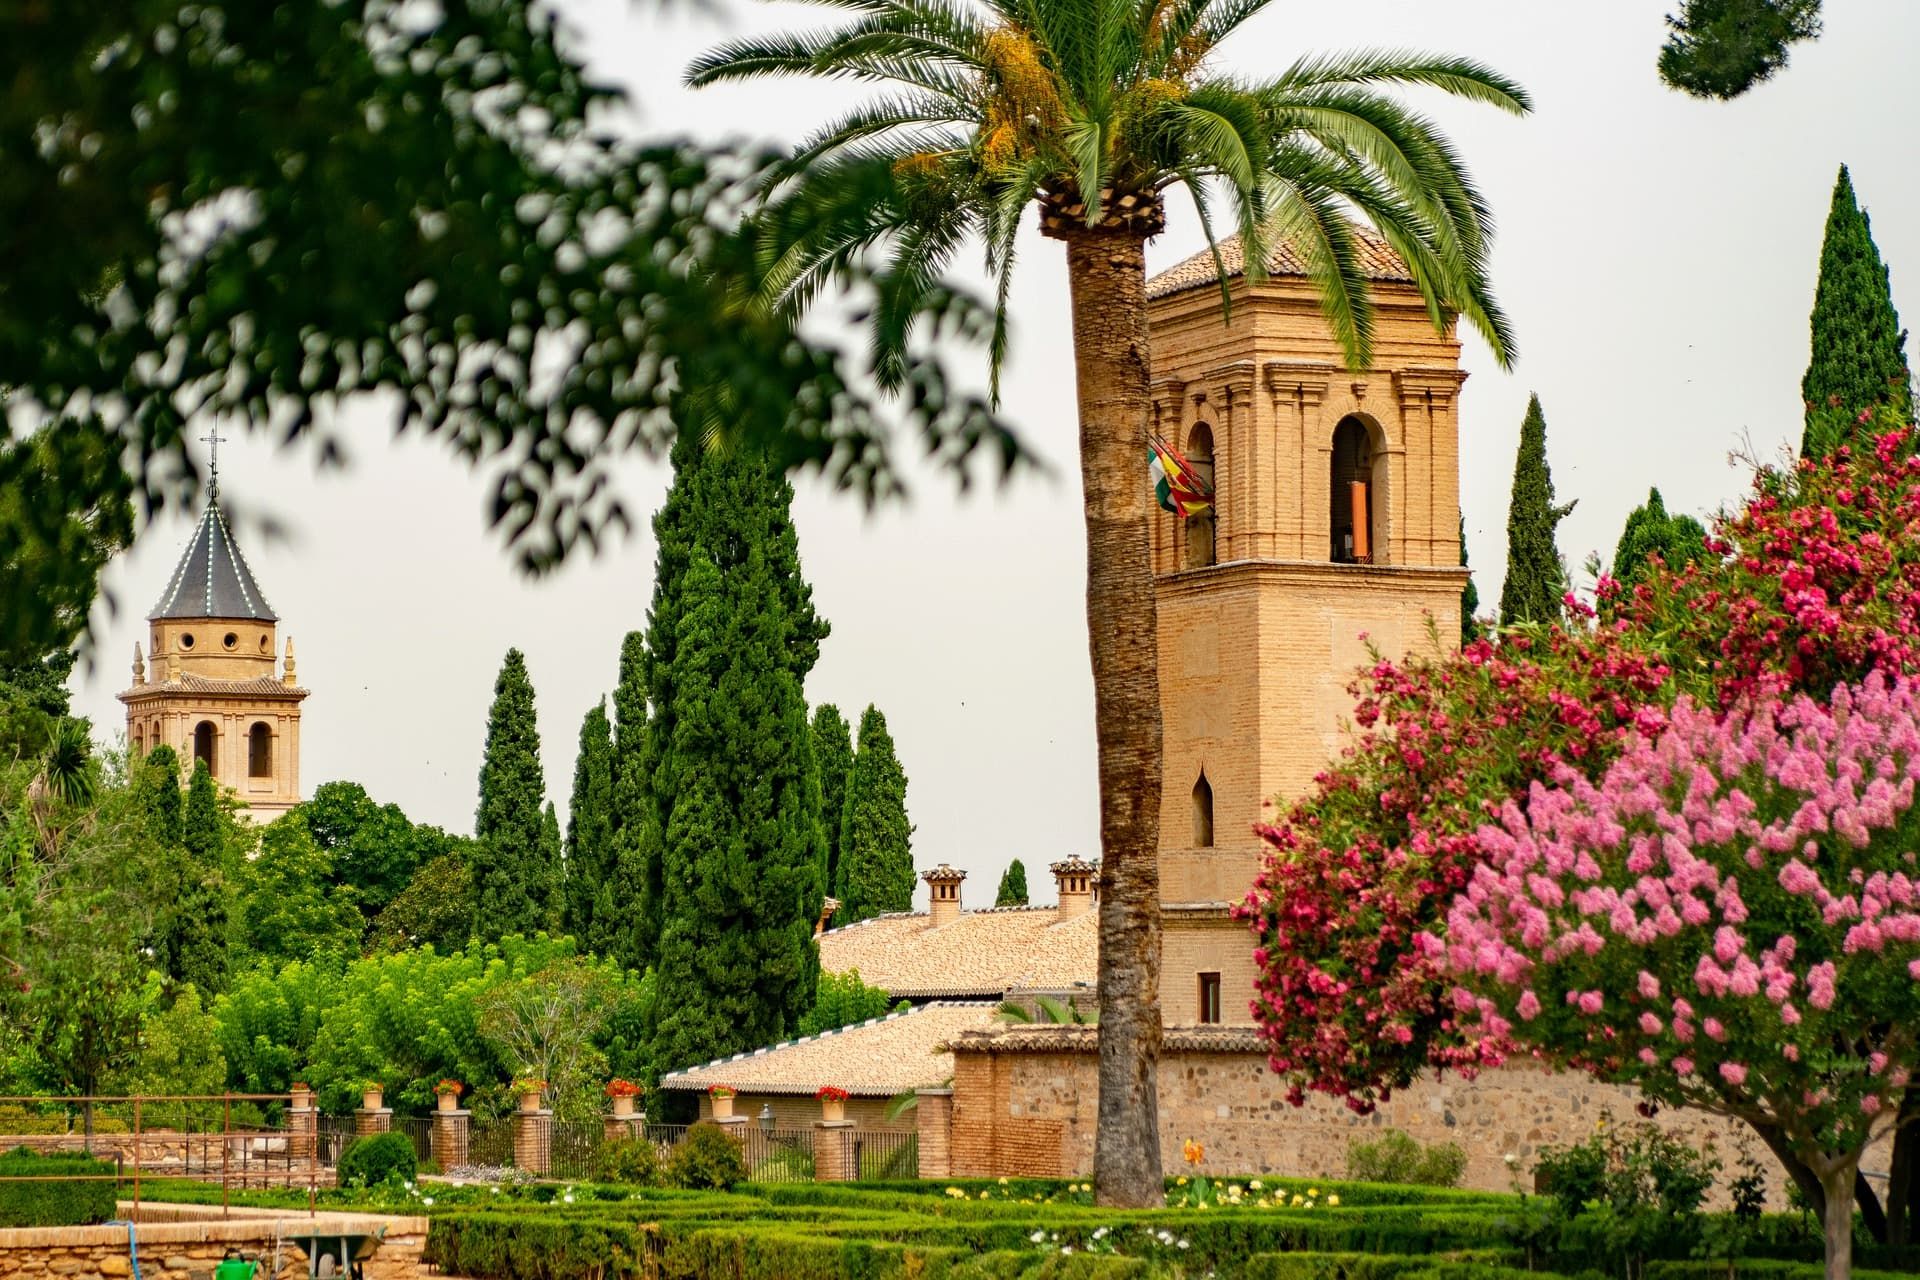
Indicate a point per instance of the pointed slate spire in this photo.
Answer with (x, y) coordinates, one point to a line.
(212, 580)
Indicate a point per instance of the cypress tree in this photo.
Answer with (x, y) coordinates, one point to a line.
(1469, 594)
(731, 828)
(1859, 358)
(200, 957)
(1013, 886)
(514, 878)
(876, 847)
(1536, 580)
(593, 915)
(635, 939)
(833, 755)
(553, 859)
(1677, 540)
(160, 794)
(741, 846)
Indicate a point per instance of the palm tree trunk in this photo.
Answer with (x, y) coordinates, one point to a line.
(1106, 271)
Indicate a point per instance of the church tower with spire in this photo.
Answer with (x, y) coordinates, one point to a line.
(209, 684)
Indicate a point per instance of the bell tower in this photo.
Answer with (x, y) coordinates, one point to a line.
(213, 690)
(1334, 527)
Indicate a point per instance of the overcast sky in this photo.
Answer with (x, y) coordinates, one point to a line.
(1657, 256)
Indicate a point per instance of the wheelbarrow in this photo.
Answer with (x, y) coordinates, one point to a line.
(337, 1253)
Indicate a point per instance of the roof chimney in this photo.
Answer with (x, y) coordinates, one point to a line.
(1074, 876)
(827, 907)
(943, 893)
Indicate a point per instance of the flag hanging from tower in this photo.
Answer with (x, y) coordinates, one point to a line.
(1177, 485)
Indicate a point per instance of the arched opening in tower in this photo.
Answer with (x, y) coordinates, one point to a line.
(1350, 492)
(203, 742)
(1200, 527)
(1203, 813)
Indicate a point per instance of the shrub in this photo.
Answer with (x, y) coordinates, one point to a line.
(633, 1161)
(1399, 1158)
(371, 1161)
(54, 1204)
(705, 1158)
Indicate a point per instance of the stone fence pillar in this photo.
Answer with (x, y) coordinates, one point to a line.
(533, 1141)
(734, 1127)
(934, 1119)
(449, 1140)
(617, 1128)
(833, 1156)
(303, 1130)
(372, 1120)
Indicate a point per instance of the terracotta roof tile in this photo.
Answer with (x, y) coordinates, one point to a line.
(1376, 256)
(875, 1059)
(982, 953)
(266, 685)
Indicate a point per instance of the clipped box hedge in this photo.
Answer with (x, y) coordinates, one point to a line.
(67, 1203)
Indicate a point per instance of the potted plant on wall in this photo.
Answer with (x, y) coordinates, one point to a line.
(302, 1095)
(531, 1090)
(448, 1093)
(624, 1093)
(372, 1095)
(833, 1103)
(722, 1096)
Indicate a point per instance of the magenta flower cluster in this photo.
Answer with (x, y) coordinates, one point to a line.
(1765, 862)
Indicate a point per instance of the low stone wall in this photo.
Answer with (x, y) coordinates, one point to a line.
(1025, 1101)
(175, 1244)
(248, 1159)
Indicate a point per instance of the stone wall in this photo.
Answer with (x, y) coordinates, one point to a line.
(250, 1159)
(1025, 1102)
(174, 1246)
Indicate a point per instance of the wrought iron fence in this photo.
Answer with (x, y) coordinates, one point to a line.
(882, 1155)
(778, 1155)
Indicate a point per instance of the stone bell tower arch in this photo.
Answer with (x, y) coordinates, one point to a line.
(1335, 527)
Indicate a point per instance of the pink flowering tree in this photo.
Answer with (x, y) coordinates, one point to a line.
(1728, 919)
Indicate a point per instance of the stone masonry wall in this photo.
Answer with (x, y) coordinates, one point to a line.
(189, 1250)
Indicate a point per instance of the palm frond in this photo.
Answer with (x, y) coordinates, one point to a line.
(1308, 217)
(1461, 77)
(1219, 19)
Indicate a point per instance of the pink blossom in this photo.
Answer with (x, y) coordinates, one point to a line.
(1529, 1006)
(1590, 1002)
(1790, 1051)
(1651, 1025)
(1733, 1073)
(1649, 986)
(1683, 1066)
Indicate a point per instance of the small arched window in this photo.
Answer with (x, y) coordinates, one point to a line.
(260, 751)
(1200, 526)
(1203, 813)
(1350, 490)
(203, 740)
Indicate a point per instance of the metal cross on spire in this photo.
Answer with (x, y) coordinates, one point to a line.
(212, 439)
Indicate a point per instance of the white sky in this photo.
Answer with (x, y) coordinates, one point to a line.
(1656, 254)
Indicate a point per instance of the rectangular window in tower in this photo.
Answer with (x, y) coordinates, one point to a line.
(1209, 997)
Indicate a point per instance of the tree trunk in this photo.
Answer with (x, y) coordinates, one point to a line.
(1881, 1223)
(1106, 270)
(1903, 1188)
(1837, 1181)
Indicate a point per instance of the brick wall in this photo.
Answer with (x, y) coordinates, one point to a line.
(800, 1110)
(1009, 1106)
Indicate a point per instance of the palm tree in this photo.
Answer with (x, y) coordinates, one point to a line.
(1094, 109)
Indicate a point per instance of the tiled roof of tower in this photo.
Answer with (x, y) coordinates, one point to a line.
(253, 687)
(1377, 257)
(874, 1059)
(212, 580)
(980, 954)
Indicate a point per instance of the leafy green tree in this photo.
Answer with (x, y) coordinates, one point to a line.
(1722, 48)
(741, 846)
(1650, 531)
(52, 551)
(266, 1024)
(1536, 583)
(593, 912)
(374, 847)
(453, 235)
(833, 756)
(842, 999)
(514, 882)
(437, 908)
(876, 840)
(636, 889)
(1469, 595)
(1013, 886)
(179, 1053)
(1859, 350)
(1094, 109)
(200, 930)
(548, 1024)
(290, 905)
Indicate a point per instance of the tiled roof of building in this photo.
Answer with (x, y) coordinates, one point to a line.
(212, 579)
(185, 682)
(875, 1059)
(1376, 257)
(979, 954)
(1045, 1037)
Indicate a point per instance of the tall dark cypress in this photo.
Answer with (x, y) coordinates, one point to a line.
(1536, 579)
(733, 829)
(833, 755)
(1677, 540)
(1859, 351)
(159, 781)
(1469, 594)
(201, 906)
(635, 940)
(593, 914)
(515, 881)
(876, 840)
